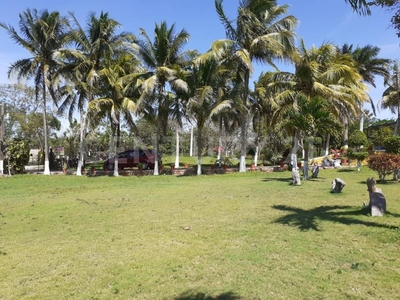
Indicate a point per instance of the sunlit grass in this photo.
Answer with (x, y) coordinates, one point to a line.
(249, 236)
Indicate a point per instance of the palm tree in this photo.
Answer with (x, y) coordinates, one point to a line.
(95, 44)
(204, 97)
(311, 117)
(162, 57)
(360, 6)
(117, 102)
(391, 96)
(368, 65)
(261, 34)
(42, 34)
(319, 72)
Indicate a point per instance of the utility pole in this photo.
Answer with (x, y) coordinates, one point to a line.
(2, 139)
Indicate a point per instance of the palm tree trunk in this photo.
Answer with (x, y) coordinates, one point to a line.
(177, 147)
(243, 142)
(200, 129)
(346, 132)
(219, 139)
(306, 157)
(295, 148)
(81, 161)
(327, 144)
(157, 146)
(46, 145)
(116, 150)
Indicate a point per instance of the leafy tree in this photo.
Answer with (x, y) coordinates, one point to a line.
(42, 34)
(357, 139)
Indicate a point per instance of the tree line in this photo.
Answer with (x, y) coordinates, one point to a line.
(114, 79)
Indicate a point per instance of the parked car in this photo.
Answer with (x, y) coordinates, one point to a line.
(131, 158)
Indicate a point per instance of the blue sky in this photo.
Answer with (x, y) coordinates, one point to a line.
(320, 21)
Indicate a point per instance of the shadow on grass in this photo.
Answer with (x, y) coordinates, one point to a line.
(346, 170)
(308, 219)
(278, 179)
(201, 296)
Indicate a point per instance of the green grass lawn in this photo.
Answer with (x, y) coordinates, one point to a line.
(232, 236)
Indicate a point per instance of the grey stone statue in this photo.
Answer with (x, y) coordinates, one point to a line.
(337, 185)
(377, 201)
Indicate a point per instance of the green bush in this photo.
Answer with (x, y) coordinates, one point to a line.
(392, 144)
(17, 156)
(357, 139)
(360, 156)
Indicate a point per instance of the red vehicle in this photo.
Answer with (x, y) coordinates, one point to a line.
(131, 158)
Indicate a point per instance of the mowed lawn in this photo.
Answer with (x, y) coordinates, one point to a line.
(232, 236)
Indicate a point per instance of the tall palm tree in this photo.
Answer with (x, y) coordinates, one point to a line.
(162, 57)
(263, 32)
(391, 95)
(204, 101)
(117, 101)
(42, 34)
(96, 43)
(319, 72)
(369, 65)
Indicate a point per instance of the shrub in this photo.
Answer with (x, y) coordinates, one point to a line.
(357, 139)
(17, 156)
(360, 156)
(392, 144)
(384, 164)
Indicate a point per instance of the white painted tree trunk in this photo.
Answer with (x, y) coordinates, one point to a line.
(243, 143)
(81, 144)
(256, 155)
(191, 142)
(295, 148)
(328, 139)
(177, 147)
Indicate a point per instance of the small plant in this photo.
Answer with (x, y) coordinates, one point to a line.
(139, 166)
